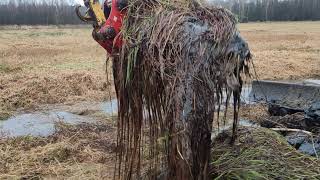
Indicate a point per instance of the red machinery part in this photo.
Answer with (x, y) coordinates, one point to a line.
(113, 24)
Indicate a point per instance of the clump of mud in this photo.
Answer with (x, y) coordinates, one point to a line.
(84, 151)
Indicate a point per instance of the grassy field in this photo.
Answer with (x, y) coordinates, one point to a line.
(48, 65)
(284, 50)
(56, 65)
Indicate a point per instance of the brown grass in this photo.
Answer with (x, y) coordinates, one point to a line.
(284, 50)
(49, 65)
(85, 151)
(45, 64)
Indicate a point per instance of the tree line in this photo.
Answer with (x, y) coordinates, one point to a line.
(48, 12)
(36, 12)
(273, 10)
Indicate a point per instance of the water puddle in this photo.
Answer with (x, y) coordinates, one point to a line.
(245, 97)
(247, 123)
(42, 122)
(38, 124)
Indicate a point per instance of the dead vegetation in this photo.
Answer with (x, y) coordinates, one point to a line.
(66, 65)
(28, 91)
(85, 151)
(284, 50)
(50, 65)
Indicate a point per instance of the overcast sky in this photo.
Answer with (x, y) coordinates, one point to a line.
(79, 2)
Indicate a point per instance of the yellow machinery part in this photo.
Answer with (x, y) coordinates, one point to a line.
(95, 6)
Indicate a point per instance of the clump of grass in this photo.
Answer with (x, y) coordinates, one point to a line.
(3, 68)
(4, 113)
(260, 153)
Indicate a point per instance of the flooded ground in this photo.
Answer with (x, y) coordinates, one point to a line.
(42, 122)
(38, 124)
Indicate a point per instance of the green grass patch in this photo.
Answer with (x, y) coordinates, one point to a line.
(76, 66)
(4, 114)
(5, 68)
(260, 154)
(36, 34)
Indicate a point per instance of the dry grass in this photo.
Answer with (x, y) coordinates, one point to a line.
(45, 64)
(85, 151)
(254, 112)
(284, 50)
(49, 65)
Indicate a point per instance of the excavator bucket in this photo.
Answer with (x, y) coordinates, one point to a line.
(93, 14)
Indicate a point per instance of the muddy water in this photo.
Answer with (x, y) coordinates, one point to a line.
(42, 122)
